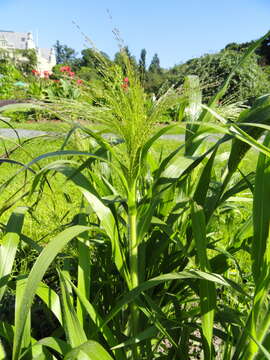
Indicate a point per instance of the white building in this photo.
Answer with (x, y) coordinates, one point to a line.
(10, 40)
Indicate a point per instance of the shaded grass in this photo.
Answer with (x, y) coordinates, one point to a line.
(55, 208)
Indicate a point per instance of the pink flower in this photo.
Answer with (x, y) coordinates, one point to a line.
(71, 74)
(46, 74)
(79, 81)
(126, 80)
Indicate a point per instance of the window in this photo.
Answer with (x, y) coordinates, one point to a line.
(3, 43)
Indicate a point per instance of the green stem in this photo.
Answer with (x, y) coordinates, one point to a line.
(133, 257)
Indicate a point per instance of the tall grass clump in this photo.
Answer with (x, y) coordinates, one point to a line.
(141, 272)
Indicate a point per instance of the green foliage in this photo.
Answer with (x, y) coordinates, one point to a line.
(155, 77)
(119, 58)
(23, 60)
(263, 51)
(248, 82)
(30, 60)
(90, 58)
(9, 77)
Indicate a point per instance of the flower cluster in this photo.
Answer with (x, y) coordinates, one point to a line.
(67, 71)
(46, 74)
(125, 83)
(35, 72)
(64, 69)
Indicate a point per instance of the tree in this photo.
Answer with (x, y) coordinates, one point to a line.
(63, 53)
(142, 65)
(238, 47)
(119, 58)
(264, 51)
(155, 76)
(154, 66)
(92, 58)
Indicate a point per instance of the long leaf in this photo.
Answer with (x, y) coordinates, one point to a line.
(73, 328)
(55, 344)
(184, 275)
(51, 299)
(261, 213)
(91, 350)
(207, 289)
(36, 274)
(10, 243)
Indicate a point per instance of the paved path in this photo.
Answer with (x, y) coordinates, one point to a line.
(24, 133)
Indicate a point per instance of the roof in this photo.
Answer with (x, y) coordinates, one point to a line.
(15, 39)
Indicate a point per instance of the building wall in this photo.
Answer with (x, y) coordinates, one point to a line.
(10, 41)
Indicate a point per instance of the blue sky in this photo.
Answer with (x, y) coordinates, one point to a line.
(175, 29)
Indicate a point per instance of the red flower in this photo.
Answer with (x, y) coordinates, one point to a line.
(35, 72)
(71, 74)
(79, 81)
(125, 83)
(65, 69)
(124, 86)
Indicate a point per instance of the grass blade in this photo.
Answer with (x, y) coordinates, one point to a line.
(51, 299)
(55, 344)
(38, 270)
(261, 213)
(10, 243)
(207, 289)
(90, 350)
(73, 328)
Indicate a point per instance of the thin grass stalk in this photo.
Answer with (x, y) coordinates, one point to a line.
(20, 287)
(207, 290)
(134, 265)
(84, 272)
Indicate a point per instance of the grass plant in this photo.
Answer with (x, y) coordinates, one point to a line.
(144, 270)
